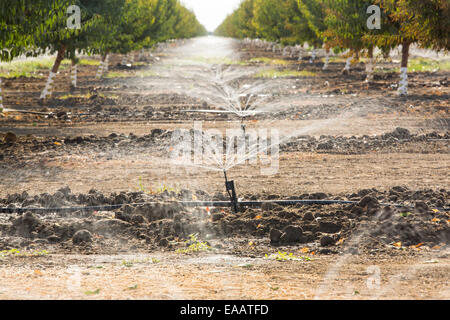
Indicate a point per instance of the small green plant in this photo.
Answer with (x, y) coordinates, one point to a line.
(133, 287)
(141, 186)
(97, 291)
(284, 74)
(127, 264)
(159, 190)
(89, 62)
(131, 263)
(165, 188)
(405, 214)
(265, 60)
(29, 68)
(194, 245)
(285, 256)
(18, 253)
(272, 287)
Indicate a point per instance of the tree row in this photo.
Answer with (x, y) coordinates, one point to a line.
(354, 26)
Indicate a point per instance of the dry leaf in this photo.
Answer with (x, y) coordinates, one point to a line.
(398, 244)
(435, 220)
(304, 250)
(258, 217)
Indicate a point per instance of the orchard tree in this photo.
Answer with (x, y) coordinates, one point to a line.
(424, 22)
(239, 24)
(347, 27)
(21, 23)
(65, 41)
(313, 11)
(270, 19)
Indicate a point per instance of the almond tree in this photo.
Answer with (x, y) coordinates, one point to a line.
(64, 41)
(424, 22)
(239, 24)
(346, 22)
(22, 22)
(313, 12)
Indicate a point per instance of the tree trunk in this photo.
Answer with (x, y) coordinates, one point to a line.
(1, 96)
(73, 75)
(370, 66)
(327, 60)
(106, 64)
(403, 85)
(405, 53)
(47, 92)
(59, 58)
(103, 66)
(348, 63)
(313, 55)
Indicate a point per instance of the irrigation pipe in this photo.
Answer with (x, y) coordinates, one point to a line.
(218, 204)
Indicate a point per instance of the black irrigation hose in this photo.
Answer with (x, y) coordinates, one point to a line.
(198, 204)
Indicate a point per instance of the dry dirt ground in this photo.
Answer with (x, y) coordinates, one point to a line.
(109, 141)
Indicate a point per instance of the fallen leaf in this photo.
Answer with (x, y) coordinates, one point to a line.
(258, 217)
(398, 244)
(304, 250)
(435, 220)
(57, 143)
(38, 272)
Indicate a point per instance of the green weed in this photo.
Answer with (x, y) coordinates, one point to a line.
(194, 245)
(285, 256)
(18, 253)
(285, 74)
(30, 67)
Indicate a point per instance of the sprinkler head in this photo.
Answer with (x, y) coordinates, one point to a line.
(243, 128)
(229, 185)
